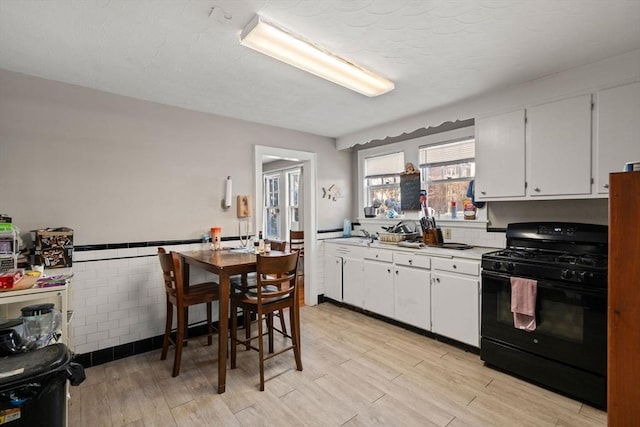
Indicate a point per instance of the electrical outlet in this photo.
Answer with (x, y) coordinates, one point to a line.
(447, 233)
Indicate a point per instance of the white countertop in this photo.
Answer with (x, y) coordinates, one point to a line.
(473, 253)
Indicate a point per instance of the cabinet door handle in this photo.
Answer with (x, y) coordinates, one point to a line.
(377, 255)
(410, 261)
(389, 270)
(397, 272)
(536, 189)
(455, 266)
(606, 186)
(437, 279)
(484, 193)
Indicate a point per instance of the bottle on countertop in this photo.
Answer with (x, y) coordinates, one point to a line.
(469, 209)
(454, 209)
(260, 242)
(346, 228)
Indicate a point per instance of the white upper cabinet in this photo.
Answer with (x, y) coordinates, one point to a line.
(500, 156)
(617, 132)
(558, 136)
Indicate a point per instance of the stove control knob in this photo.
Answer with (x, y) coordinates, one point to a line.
(510, 266)
(584, 276)
(566, 274)
(497, 265)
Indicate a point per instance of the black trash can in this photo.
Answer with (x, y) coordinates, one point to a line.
(33, 387)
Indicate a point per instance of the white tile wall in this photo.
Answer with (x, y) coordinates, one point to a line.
(118, 301)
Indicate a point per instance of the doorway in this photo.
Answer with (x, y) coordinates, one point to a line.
(283, 196)
(308, 162)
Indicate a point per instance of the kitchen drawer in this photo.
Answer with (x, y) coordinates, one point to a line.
(379, 255)
(456, 265)
(331, 249)
(412, 260)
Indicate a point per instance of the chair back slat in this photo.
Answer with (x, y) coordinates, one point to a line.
(171, 272)
(278, 274)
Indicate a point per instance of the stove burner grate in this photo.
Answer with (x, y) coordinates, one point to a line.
(587, 260)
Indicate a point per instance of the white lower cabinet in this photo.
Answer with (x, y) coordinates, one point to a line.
(378, 297)
(353, 281)
(343, 274)
(432, 293)
(333, 277)
(412, 296)
(455, 300)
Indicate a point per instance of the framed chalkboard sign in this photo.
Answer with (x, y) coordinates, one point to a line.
(410, 191)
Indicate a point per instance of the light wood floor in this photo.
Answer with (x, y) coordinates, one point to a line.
(358, 371)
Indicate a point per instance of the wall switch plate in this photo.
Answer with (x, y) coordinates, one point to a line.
(447, 233)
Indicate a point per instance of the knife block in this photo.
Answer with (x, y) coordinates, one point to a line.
(430, 237)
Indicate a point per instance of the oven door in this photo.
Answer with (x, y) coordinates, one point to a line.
(571, 321)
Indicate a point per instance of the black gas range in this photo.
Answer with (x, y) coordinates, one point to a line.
(586, 268)
(567, 349)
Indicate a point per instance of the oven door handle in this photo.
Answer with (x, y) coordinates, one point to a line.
(552, 285)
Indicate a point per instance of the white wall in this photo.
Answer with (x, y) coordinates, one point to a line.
(117, 169)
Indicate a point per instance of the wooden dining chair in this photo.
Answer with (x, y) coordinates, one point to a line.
(183, 297)
(296, 241)
(277, 245)
(250, 282)
(276, 290)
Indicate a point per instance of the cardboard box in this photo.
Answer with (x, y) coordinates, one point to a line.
(54, 247)
(54, 258)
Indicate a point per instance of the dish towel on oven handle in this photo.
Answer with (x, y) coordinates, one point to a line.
(523, 303)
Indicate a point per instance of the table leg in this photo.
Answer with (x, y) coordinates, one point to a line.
(185, 282)
(223, 326)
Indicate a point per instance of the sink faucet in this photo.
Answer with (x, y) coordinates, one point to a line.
(370, 237)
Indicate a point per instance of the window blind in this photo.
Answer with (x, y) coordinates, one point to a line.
(448, 153)
(388, 164)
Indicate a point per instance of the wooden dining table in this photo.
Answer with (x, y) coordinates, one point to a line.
(225, 263)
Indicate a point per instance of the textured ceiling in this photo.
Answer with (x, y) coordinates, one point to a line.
(186, 53)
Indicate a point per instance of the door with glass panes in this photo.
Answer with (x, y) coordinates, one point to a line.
(282, 207)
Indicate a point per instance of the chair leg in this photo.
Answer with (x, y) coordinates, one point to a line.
(294, 319)
(283, 325)
(167, 330)
(186, 325)
(261, 351)
(209, 323)
(180, 336)
(270, 331)
(234, 334)
(246, 317)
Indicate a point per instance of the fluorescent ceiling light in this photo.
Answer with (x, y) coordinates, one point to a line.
(281, 44)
